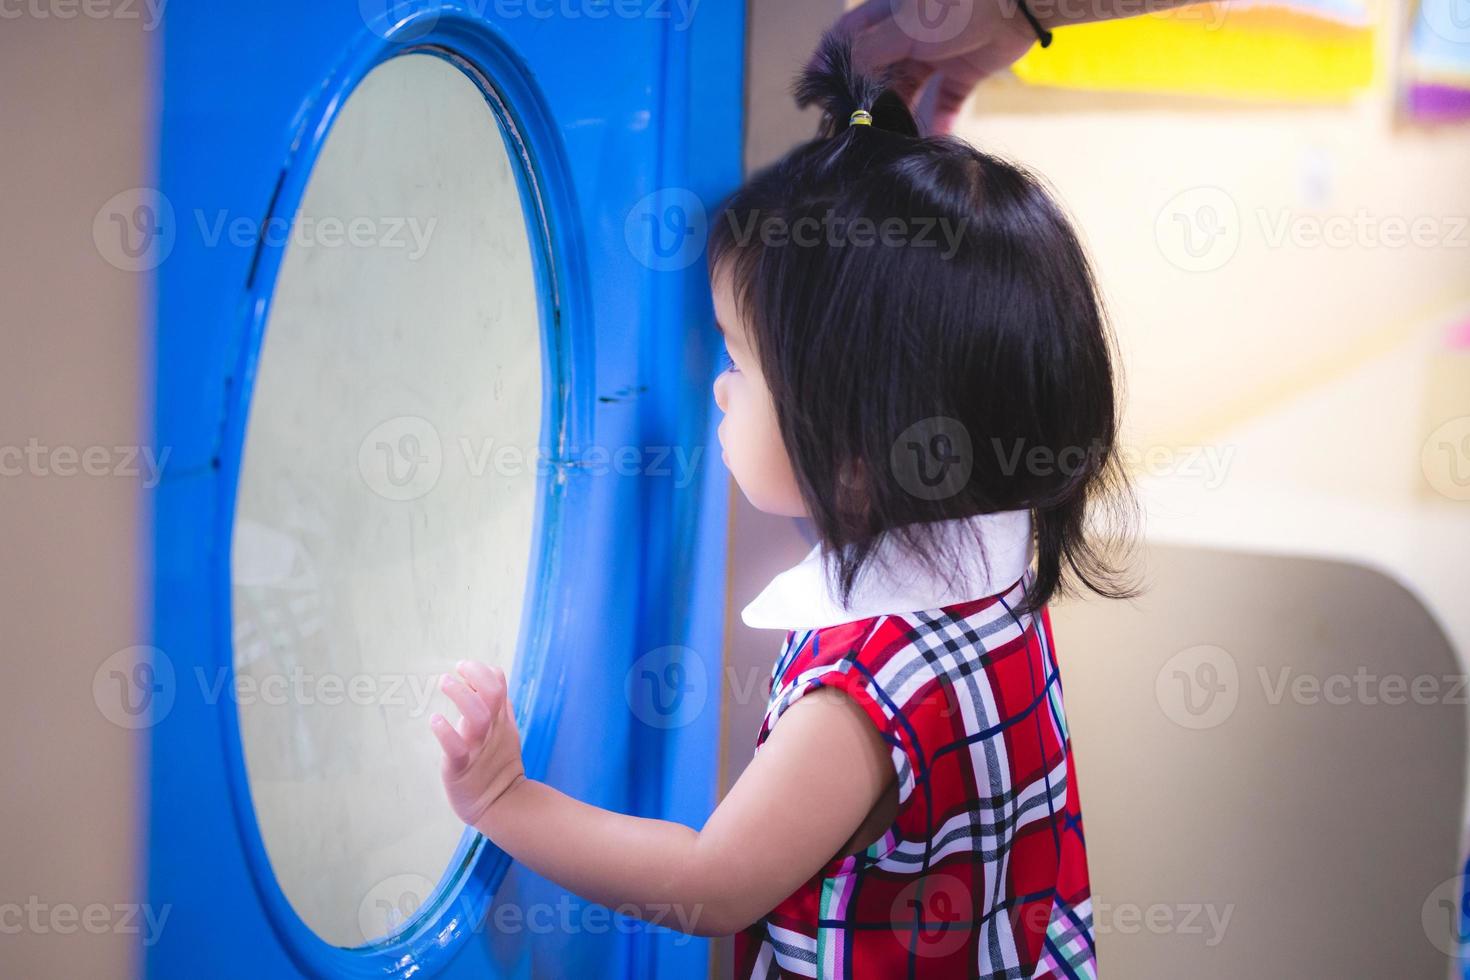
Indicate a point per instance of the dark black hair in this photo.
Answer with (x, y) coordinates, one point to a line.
(977, 321)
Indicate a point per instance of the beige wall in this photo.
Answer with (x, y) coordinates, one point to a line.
(74, 126)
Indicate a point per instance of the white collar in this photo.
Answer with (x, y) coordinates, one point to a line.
(802, 598)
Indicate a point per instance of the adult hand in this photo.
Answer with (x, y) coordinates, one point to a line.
(952, 44)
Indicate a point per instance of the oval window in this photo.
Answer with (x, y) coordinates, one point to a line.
(386, 504)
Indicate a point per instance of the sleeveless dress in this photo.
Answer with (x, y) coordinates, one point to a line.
(983, 872)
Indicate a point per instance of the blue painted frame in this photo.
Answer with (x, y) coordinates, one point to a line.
(611, 111)
(431, 937)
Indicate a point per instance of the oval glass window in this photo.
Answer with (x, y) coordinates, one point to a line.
(381, 529)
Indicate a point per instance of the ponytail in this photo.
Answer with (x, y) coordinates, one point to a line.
(834, 82)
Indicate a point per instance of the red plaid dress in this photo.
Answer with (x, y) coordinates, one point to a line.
(984, 871)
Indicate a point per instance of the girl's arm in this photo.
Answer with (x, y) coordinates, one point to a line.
(822, 768)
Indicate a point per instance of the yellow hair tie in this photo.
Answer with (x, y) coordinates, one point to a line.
(861, 117)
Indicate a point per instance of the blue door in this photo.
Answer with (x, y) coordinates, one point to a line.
(433, 362)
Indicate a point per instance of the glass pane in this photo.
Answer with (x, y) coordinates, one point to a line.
(387, 490)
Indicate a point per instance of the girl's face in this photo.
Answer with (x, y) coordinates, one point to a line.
(753, 449)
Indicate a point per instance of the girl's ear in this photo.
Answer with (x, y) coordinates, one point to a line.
(852, 491)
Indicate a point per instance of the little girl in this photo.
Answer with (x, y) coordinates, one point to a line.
(919, 365)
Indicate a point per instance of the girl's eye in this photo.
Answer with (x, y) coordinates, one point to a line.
(730, 363)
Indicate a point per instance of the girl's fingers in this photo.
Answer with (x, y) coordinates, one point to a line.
(456, 752)
(477, 715)
(485, 680)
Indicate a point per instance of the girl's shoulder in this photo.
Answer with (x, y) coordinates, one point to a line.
(906, 667)
(941, 642)
(918, 675)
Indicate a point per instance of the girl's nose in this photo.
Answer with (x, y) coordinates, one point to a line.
(720, 391)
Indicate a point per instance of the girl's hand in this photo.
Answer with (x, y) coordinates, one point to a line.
(482, 759)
